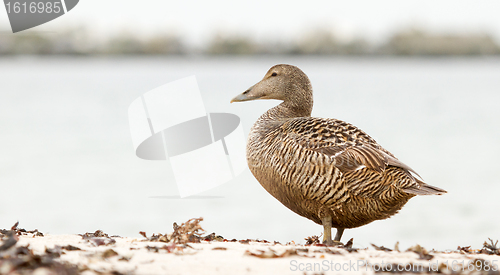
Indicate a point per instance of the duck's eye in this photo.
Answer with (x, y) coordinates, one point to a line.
(274, 74)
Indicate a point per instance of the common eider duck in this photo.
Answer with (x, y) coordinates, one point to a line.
(326, 170)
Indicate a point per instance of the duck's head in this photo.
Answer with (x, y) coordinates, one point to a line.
(282, 82)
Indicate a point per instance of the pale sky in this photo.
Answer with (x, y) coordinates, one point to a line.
(198, 19)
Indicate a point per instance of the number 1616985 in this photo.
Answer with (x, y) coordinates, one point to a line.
(33, 7)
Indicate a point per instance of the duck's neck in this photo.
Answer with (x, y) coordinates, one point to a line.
(288, 109)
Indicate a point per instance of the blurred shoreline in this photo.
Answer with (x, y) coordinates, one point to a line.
(321, 42)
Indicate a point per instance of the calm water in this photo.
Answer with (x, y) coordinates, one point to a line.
(67, 163)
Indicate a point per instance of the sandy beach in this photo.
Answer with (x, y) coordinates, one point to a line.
(187, 251)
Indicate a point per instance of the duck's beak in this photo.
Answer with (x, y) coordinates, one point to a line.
(245, 96)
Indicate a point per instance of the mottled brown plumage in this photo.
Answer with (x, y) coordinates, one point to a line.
(326, 170)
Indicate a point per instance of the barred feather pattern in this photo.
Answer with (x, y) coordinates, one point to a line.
(326, 167)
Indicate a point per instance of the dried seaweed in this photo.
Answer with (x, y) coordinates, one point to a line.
(153, 248)
(70, 247)
(98, 238)
(315, 241)
(19, 231)
(381, 248)
(96, 234)
(171, 247)
(312, 240)
(490, 248)
(261, 241)
(109, 253)
(9, 242)
(270, 253)
(125, 258)
(213, 237)
(10, 238)
(465, 249)
(191, 232)
(188, 232)
(348, 246)
(54, 252)
(422, 252)
(102, 241)
(247, 241)
(159, 238)
(22, 260)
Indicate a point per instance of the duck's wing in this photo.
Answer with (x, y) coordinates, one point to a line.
(353, 157)
(350, 149)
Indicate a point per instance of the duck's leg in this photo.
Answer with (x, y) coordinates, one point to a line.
(340, 231)
(327, 230)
